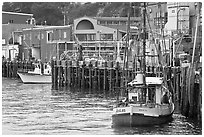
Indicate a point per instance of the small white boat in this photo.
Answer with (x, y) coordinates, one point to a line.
(144, 105)
(38, 76)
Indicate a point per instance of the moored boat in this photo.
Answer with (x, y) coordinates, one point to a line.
(40, 75)
(144, 105)
(147, 99)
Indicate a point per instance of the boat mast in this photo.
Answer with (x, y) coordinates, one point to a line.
(144, 44)
(125, 68)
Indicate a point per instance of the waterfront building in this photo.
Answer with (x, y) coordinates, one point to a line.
(46, 42)
(178, 20)
(12, 22)
(17, 18)
(102, 36)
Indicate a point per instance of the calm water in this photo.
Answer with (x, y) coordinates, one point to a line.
(36, 109)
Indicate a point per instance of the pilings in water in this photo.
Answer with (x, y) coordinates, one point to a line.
(108, 76)
(187, 91)
(184, 82)
(10, 68)
(91, 75)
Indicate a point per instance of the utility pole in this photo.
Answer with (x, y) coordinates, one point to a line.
(144, 43)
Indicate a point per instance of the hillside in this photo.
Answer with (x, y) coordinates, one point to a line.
(53, 12)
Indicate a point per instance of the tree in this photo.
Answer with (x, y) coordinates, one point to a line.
(49, 12)
(23, 7)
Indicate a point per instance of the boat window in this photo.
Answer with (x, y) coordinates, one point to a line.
(45, 66)
(134, 98)
(151, 94)
(142, 95)
(137, 95)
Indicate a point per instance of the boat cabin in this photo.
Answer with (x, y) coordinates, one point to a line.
(40, 68)
(153, 92)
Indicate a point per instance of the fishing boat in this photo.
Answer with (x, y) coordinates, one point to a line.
(145, 104)
(147, 100)
(40, 75)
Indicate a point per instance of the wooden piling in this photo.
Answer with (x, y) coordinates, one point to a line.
(191, 81)
(55, 76)
(60, 73)
(105, 77)
(15, 69)
(83, 75)
(66, 73)
(90, 75)
(99, 79)
(95, 84)
(79, 77)
(111, 76)
(77, 74)
(117, 74)
(70, 74)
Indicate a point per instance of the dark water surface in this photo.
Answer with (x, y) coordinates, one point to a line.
(36, 109)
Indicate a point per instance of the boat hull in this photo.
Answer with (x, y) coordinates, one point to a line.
(35, 78)
(139, 119)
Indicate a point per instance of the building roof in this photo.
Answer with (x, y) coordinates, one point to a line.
(16, 13)
(117, 18)
(47, 27)
(119, 27)
(149, 80)
(122, 28)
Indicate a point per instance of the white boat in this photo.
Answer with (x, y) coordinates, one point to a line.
(143, 105)
(38, 76)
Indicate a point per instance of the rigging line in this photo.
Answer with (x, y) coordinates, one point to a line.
(160, 62)
(154, 41)
(181, 38)
(162, 29)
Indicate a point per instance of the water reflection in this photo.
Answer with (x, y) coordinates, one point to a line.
(178, 126)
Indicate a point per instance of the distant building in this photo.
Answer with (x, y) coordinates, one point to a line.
(177, 19)
(156, 16)
(17, 18)
(10, 44)
(46, 42)
(101, 36)
(14, 22)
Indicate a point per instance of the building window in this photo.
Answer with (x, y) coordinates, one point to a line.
(106, 37)
(49, 36)
(109, 22)
(115, 22)
(86, 37)
(60, 33)
(157, 21)
(91, 37)
(42, 36)
(10, 21)
(102, 22)
(98, 22)
(82, 37)
(37, 36)
(65, 34)
(123, 22)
